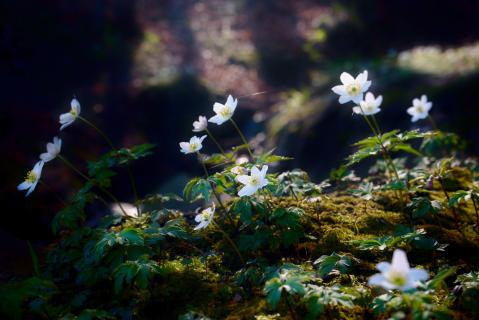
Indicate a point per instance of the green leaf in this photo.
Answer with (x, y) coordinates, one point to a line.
(187, 191)
(439, 279)
(333, 264)
(421, 206)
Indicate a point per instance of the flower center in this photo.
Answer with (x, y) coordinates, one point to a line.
(225, 112)
(31, 177)
(352, 89)
(254, 181)
(420, 109)
(74, 113)
(193, 146)
(397, 278)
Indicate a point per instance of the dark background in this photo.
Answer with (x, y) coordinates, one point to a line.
(144, 70)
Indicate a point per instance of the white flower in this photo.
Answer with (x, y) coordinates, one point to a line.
(397, 274)
(239, 170)
(224, 111)
(253, 182)
(193, 146)
(420, 108)
(130, 210)
(32, 178)
(53, 149)
(200, 125)
(369, 105)
(205, 218)
(67, 119)
(352, 89)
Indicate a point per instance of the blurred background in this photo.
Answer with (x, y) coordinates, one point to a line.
(144, 70)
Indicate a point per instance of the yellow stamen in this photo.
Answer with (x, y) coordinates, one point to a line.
(31, 177)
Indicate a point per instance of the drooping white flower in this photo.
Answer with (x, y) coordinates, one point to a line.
(352, 89)
(419, 109)
(205, 218)
(129, 209)
(253, 182)
(224, 112)
(193, 146)
(369, 105)
(68, 118)
(31, 179)
(53, 149)
(200, 125)
(397, 274)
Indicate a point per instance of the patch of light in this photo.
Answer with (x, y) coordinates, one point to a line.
(435, 60)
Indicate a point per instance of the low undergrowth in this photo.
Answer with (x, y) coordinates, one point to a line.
(267, 245)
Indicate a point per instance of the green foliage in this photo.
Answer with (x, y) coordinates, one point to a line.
(468, 288)
(402, 237)
(137, 272)
(419, 305)
(333, 264)
(197, 188)
(15, 295)
(393, 141)
(318, 298)
(421, 206)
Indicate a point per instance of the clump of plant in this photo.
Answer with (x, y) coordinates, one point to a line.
(263, 244)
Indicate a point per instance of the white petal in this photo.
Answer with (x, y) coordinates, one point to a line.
(366, 86)
(418, 274)
(24, 185)
(217, 107)
(357, 98)
(46, 157)
(219, 120)
(376, 279)
(244, 179)
(230, 101)
(344, 99)
(369, 97)
(424, 99)
(264, 169)
(32, 187)
(346, 78)
(399, 261)
(247, 191)
(357, 110)
(202, 138)
(199, 218)
(341, 90)
(416, 102)
(428, 106)
(362, 78)
(383, 267)
(411, 111)
(255, 171)
(37, 169)
(66, 117)
(75, 105)
(379, 101)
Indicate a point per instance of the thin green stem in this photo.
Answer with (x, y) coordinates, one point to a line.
(475, 209)
(108, 193)
(233, 245)
(245, 142)
(456, 217)
(34, 257)
(112, 146)
(216, 142)
(433, 122)
(387, 158)
(211, 184)
(59, 198)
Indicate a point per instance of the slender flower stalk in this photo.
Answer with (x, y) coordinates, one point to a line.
(211, 184)
(433, 122)
(108, 193)
(112, 146)
(216, 142)
(232, 243)
(475, 209)
(245, 142)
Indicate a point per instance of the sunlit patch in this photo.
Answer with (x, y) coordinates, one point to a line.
(441, 62)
